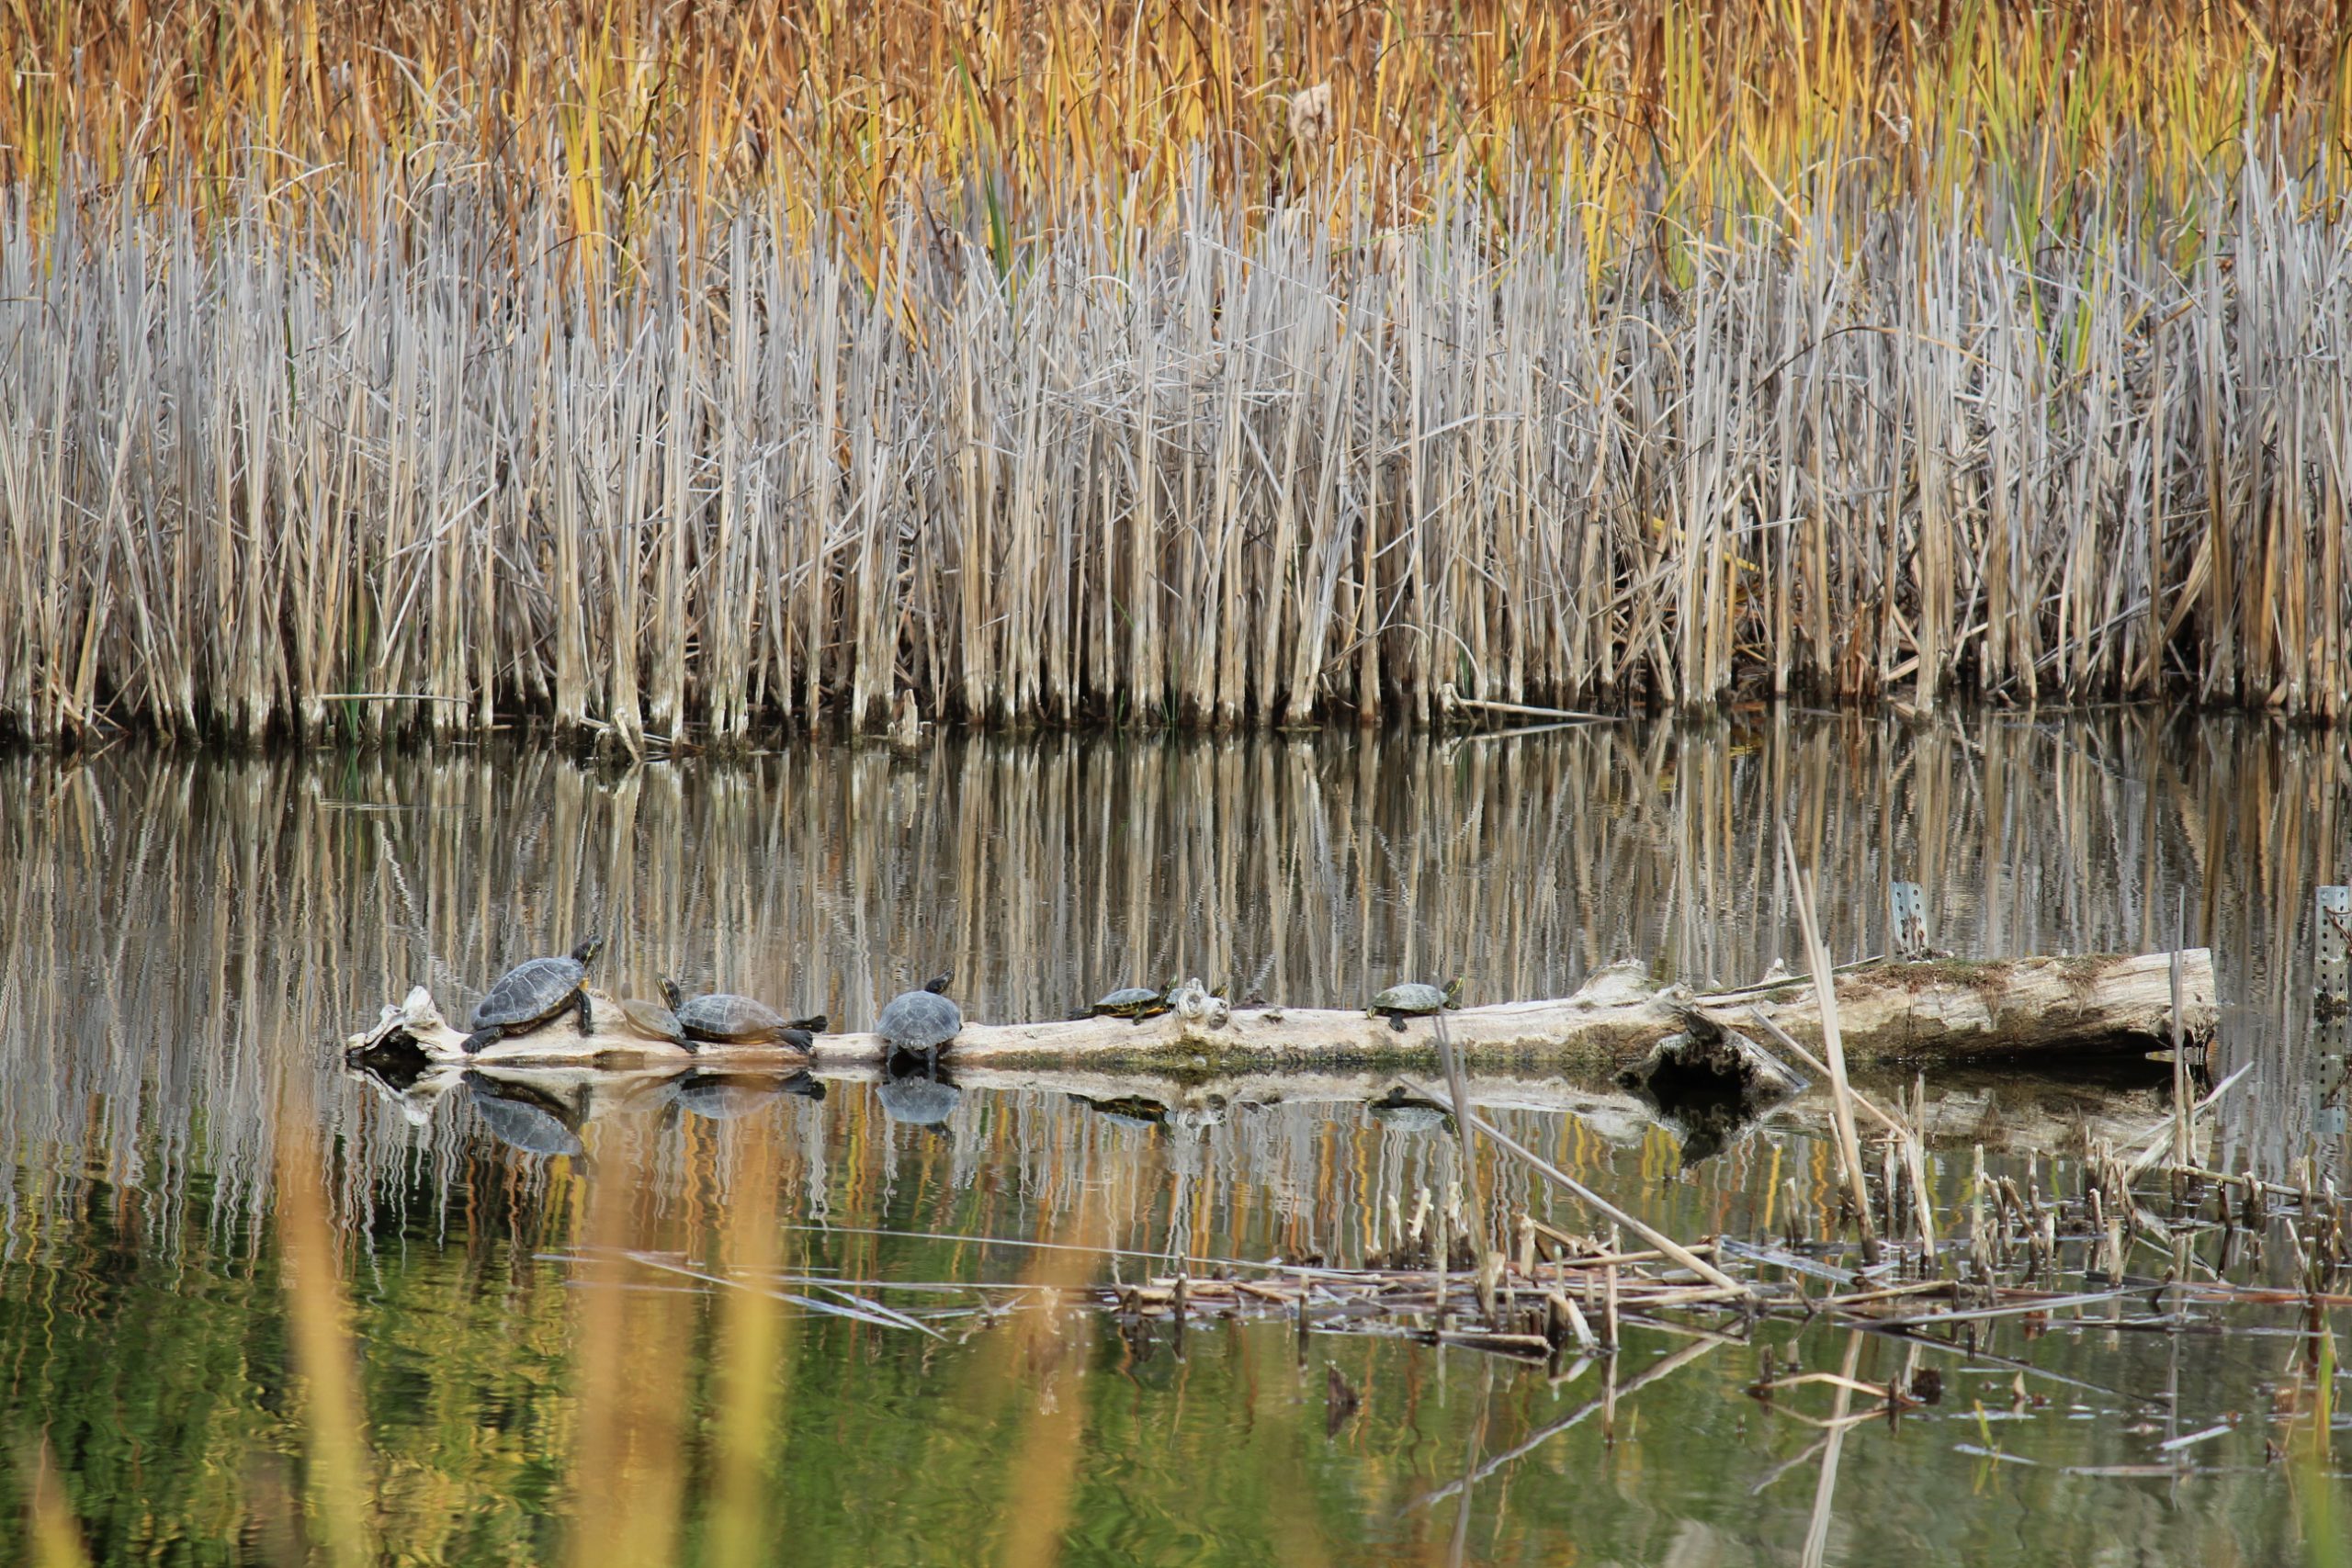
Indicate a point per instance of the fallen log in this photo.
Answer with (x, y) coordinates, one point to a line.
(1935, 1011)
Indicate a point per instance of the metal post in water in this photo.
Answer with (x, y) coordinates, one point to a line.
(1906, 924)
(2331, 944)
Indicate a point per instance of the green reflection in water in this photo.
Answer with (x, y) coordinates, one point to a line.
(182, 942)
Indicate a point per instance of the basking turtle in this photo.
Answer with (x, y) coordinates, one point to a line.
(724, 1018)
(653, 1021)
(921, 1020)
(1136, 1002)
(1413, 999)
(532, 994)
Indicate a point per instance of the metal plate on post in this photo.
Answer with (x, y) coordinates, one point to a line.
(2332, 943)
(1906, 919)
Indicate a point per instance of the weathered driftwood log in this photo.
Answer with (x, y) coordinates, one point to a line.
(1937, 1012)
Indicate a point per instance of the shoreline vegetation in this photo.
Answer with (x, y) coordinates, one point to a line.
(367, 370)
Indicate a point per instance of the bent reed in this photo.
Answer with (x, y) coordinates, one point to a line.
(659, 368)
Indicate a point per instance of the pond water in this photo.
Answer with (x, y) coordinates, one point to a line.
(542, 1284)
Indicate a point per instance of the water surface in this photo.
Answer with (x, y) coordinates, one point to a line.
(184, 943)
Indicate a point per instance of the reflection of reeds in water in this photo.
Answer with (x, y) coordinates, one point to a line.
(178, 938)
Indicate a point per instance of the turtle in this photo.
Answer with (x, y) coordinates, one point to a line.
(1136, 1002)
(653, 1021)
(532, 993)
(726, 1019)
(921, 1020)
(1413, 999)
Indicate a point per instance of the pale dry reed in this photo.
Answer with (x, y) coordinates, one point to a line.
(354, 473)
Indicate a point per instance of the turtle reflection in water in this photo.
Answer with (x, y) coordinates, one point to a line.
(921, 1096)
(720, 1097)
(1134, 1111)
(533, 993)
(526, 1118)
(1414, 1000)
(1402, 1113)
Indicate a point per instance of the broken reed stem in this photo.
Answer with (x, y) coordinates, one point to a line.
(1906, 1132)
(2183, 1149)
(1593, 1200)
(1457, 1090)
(1833, 1049)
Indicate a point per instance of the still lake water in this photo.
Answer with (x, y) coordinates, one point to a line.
(186, 941)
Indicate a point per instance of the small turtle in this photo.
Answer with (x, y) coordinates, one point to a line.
(921, 1020)
(1136, 1002)
(1413, 999)
(725, 1019)
(532, 994)
(653, 1021)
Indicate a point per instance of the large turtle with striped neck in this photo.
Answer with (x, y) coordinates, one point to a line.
(535, 992)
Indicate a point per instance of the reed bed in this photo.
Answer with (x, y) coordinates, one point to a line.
(673, 372)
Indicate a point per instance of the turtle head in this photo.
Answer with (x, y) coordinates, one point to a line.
(671, 994)
(1453, 992)
(937, 984)
(585, 954)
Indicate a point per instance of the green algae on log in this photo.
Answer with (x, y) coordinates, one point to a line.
(1940, 1010)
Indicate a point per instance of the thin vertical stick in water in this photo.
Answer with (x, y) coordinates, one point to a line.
(1833, 1048)
(2182, 1155)
(1816, 1533)
(1457, 1090)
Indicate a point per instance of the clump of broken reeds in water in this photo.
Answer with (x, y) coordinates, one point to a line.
(669, 390)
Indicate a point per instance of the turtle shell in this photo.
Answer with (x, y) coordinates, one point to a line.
(723, 1016)
(1412, 996)
(917, 1020)
(531, 992)
(1129, 1000)
(653, 1021)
